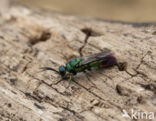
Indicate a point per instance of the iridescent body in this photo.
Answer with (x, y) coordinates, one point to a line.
(81, 64)
(74, 66)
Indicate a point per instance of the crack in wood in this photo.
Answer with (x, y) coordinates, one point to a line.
(89, 32)
(138, 66)
(97, 95)
(25, 41)
(39, 106)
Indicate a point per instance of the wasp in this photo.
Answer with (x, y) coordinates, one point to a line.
(103, 59)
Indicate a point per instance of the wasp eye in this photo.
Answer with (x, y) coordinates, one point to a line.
(62, 70)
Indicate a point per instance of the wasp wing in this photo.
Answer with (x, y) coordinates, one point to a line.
(95, 57)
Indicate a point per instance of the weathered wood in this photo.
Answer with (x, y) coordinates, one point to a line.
(30, 39)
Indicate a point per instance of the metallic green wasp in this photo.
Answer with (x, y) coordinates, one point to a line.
(81, 64)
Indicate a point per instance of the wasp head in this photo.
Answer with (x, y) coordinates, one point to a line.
(62, 71)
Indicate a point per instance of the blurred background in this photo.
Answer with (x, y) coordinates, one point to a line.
(123, 10)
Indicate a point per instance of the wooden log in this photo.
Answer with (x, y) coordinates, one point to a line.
(31, 39)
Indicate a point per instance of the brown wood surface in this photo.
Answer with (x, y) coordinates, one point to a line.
(30, 39)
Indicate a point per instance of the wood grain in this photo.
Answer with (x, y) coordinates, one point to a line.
(30, 39)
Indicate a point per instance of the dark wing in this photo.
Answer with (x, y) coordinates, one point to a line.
(95, 57)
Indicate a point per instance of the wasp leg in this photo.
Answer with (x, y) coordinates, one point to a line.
(70, 79)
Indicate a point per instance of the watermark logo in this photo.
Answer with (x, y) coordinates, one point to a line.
(138, 114)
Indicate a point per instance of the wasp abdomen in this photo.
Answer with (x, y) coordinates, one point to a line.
(108, 61)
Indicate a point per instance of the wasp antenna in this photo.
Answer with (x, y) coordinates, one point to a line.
(49, 68)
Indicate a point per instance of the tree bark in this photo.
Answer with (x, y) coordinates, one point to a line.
(31, 39)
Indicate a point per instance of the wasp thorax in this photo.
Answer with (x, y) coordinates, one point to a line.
(62, 70)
